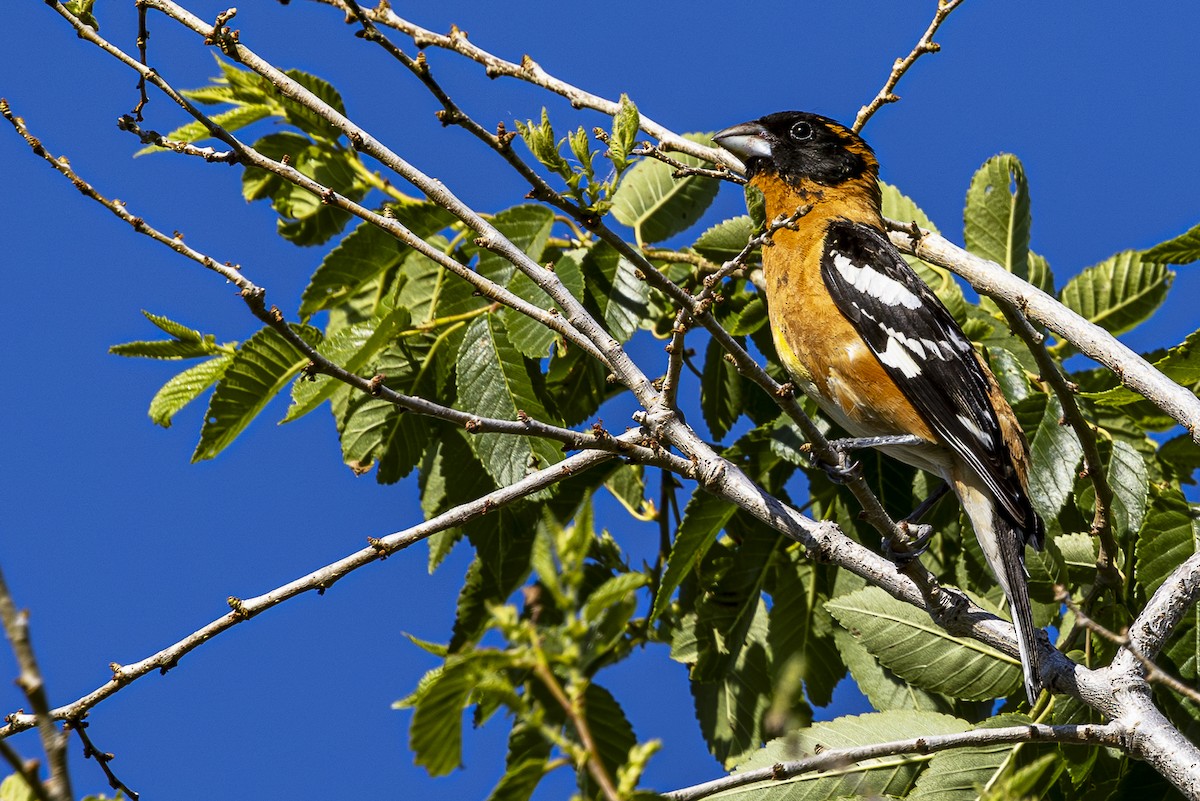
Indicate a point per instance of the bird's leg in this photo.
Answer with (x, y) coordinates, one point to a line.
(846, 469)
(919, 534)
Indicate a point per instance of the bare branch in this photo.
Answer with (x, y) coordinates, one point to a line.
(841, 759)
(319, 580)
(924, 45)
(1171, 601)
(90, 751)
(54, 742)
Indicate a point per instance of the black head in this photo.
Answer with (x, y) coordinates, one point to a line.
(796, 145)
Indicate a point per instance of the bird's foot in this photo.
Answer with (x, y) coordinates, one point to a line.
(918, 536)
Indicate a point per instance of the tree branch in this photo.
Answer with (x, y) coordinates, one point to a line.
(318, 580)
(841, 759)
(924, 45)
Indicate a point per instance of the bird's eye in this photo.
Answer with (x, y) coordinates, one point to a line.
(801, 131)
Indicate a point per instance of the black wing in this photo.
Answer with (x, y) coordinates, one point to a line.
(924, 351)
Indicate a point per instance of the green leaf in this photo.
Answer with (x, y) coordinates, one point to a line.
(800, 632)
(1120, 292)
(613, 591)
(881, 686)
(351, 348)
(703, 518)
(730, 710)
(655, 204)
(14, 787)
(260, 369)
(186, 343)
(436, 731)
(186, 387)
(725, 240)
(912, 646)
(540, 140)
(624, 133)
(888, 776)
(997, 217)
(958, 774)
(628, 486)
(367, 252)
(528, 335)
(1167, 537)
(619, 295)
(721, 390)
(1056, 452)
(1181, 364)
(306, 119)
(1130, 485)
(1183, 249)
(232, 120)
(752, 317)
(493, 382)
(304, 218)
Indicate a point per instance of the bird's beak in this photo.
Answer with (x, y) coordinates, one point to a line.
(746, 141)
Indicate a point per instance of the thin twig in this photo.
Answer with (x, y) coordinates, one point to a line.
(840, 759)
(27, 769)
(148, 137)
(143, 38)
(924, 45)
(29, 679)
(578, 717)
(1150, 671)
(681, 170)
(90, 751)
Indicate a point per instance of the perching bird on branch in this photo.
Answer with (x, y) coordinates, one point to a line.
(863, 336)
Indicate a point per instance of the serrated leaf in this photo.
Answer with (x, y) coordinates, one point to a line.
(436, 731)
(730, 710)
(493, 382)
(185, 387)
(1056, 452)
(721, 391)
(873, 778)
(1130, 486)
(800, 634)
(232, 120)
(959, 774)
(725, 240)
(1181, 456)
(83, 10)
(997, 216)
(366, 252)
(911, 645)
(166, 349)
(1183, 249)
(304, 118)
(881, 686)
(177, 330)
(1167, 537)
(351, 348)
(703, 518)
(618, 293)
(261, 368)
(658, 206)
(528, 335)
(1120, 292)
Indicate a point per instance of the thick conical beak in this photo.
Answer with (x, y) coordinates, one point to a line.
(746, 141)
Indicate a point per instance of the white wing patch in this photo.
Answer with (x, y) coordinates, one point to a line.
(979, 434)
(901, 349)
(870, 281)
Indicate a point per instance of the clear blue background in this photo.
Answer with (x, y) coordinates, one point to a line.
(119, 546)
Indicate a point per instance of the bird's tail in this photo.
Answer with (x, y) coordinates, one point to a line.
(1004, 548)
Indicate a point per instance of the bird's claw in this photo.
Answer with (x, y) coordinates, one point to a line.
(918, 534)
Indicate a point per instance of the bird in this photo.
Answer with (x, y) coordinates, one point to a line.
(862, 335)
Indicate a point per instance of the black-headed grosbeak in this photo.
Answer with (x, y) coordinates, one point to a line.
(865, 338)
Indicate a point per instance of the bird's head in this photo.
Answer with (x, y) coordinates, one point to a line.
(796, 154)
(798, 146)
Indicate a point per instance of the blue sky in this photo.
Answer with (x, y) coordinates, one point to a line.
(119, 546)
